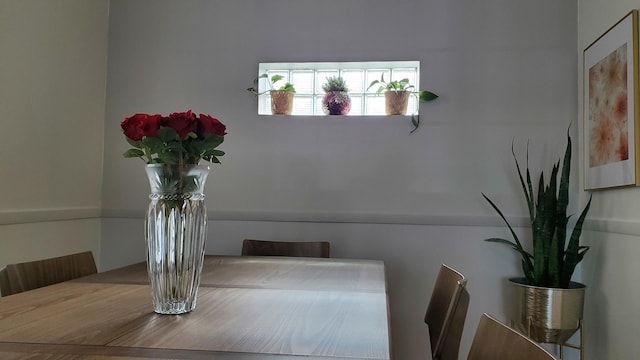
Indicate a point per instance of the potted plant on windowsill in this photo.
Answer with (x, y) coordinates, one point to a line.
(550, 304)
(281, 97)
(336, 100)
(397, 92)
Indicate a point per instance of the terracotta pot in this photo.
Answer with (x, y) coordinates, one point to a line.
(396, 102)
(281, 102)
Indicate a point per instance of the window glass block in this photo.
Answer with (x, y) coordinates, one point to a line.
(308, 78)
(302, 105)
(354, 80)
(302, 80)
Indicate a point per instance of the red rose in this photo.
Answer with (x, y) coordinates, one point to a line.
(139, 125)
(210, 125)
(182, 122)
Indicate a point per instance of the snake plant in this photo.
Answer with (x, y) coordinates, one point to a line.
(554, 256)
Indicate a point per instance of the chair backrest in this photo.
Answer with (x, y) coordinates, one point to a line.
(497, 341)
(16, 278)
(446, 313)
(285, 248)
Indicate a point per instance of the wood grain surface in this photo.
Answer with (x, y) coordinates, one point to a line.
(248, 308)
(271, 272)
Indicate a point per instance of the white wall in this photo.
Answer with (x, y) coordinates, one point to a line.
(611, 268)
(504, 70)
(52, 100)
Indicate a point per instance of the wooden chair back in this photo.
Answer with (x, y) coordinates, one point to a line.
(446, 313)
(16, 278)
(497, 341)
(285, 248)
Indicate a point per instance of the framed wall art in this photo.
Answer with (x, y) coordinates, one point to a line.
(610, 107)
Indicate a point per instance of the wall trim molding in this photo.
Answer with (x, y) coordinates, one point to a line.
(337, 217)
(627, 227)
(10, 217)
(618, 226)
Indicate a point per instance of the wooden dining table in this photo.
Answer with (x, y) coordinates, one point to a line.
(248, 308)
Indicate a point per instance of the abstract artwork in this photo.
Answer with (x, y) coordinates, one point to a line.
(610, 109)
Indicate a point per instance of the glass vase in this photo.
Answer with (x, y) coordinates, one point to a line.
(175, 232)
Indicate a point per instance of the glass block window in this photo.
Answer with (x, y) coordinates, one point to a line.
(308, 79)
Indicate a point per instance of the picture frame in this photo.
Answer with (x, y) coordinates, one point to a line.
(610, 107)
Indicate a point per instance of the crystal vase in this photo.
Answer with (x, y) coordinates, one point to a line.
(175, 232)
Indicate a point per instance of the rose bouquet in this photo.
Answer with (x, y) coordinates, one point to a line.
(178, 139)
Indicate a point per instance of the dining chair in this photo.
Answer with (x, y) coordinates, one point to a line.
(446, 313)
(496, 341)
(285, 248)
(16, 278)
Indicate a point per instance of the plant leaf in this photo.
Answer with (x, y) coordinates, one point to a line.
(133, 153)
(135, 144)
(425, 95)
(575, 252)
(415, 120)
(276, 78)
(167, 134)
(527, 265)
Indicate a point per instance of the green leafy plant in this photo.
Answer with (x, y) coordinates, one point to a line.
(555, 256)
(393, 85)
(335, 83)
(336, 100)
(404, 85)
(272, 84)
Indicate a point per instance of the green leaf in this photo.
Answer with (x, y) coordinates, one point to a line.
(425, 95)
(404, 84)
(169, 158)
(211, 158)
(415, 121)
(503, 241)
(288, 87)
(276, 78)
(527, 265)
(563, 194)
(527, 189)
(133, 153)
(374, 82)
(167, 134)
(211, 141)
(174, 146)
(135, 144)
(153, 143)
(574, 252)
(216, 153)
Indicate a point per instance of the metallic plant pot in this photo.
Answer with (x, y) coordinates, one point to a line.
(547, 315)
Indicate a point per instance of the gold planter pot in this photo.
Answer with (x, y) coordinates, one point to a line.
(281, 102)
(547, 315)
